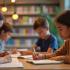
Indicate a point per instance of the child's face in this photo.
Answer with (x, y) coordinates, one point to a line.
(64, 31)
(41, 32)
(5, 36)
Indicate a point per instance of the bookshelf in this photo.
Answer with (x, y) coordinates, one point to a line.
(28, 10)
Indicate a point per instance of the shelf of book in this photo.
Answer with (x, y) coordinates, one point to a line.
(28, 11)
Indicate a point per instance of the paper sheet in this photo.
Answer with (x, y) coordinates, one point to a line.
(22, 49)
(15, 63)
(26, 57)
(15, 55)
(46, 61)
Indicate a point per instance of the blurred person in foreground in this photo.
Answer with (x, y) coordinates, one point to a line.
(5, 34)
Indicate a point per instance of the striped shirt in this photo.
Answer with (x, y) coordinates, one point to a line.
(64, 51)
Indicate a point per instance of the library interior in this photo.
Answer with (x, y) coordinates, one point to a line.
(34, 35)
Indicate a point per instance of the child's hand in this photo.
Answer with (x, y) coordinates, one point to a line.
(5, 59)
(4, 54)
(14, 50)
(38, 56)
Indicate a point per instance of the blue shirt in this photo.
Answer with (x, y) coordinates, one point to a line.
(2, 46)
(44, 44)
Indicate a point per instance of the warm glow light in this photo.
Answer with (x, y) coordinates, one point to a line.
(13, 1)
(4, 9)
(15, 16)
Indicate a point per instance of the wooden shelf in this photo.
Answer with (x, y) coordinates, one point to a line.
(24, 14)
(32, 4)
(6, 15)
(23, 26)
(18, 47)
(22, 36)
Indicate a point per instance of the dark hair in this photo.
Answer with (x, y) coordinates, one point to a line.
(6, 28)
(64, 18)
(40, 22)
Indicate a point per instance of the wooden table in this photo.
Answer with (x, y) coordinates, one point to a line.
(17, 68)
(29, 66)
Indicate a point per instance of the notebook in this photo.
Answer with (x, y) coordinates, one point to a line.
(15, 55)
(46, 61)
(15, 63)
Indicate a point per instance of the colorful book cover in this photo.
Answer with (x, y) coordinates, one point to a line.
(17, 43)
(19, 10)
(38, 9)
(45, 9)
(24, 20)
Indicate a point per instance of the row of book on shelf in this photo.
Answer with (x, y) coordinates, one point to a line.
(24, 20)
(36, 1)
(24, 31)
(31, 9)
(21, 42)
(26, 11)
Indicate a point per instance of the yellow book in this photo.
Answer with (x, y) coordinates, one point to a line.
(17, 43)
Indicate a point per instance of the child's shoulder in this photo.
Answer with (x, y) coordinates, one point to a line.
(53, 37)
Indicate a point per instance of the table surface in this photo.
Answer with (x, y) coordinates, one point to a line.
(30, 66)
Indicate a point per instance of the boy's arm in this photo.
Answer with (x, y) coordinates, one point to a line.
(36, 48)
(54, 44)
(49, 50)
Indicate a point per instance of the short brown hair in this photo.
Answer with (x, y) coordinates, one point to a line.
(40, 22)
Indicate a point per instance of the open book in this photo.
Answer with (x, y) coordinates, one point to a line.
(15, 63)
(46, 61)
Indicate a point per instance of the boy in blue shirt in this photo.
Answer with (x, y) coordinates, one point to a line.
(46, 41)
